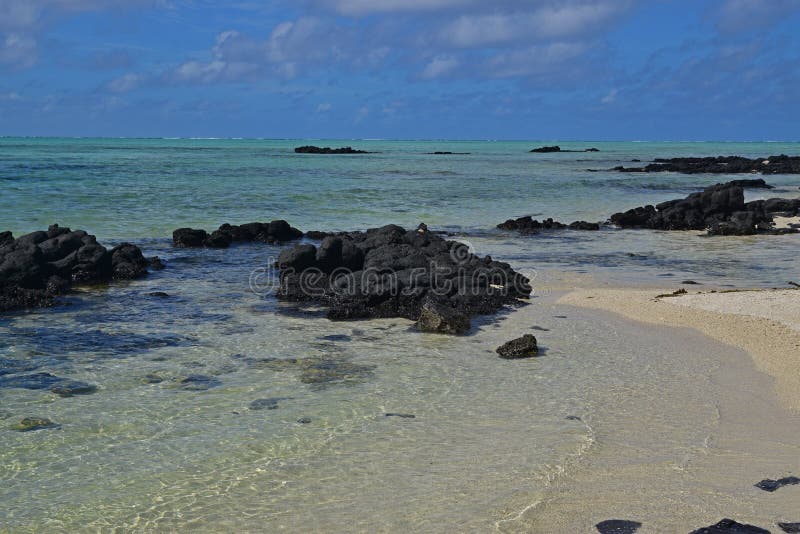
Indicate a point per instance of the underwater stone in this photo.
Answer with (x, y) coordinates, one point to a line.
(198, 383)
(70, 388)
(30, 424)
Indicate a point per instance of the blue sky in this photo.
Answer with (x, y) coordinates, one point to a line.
(459, 69)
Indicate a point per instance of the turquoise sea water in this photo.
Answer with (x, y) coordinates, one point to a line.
(488, 437)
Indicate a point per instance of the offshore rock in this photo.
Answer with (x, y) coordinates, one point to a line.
(272, 233)
(782, 164)
(527, 225)
(327, 150)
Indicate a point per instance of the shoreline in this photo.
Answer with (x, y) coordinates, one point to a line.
(647, 462)
(769, 331)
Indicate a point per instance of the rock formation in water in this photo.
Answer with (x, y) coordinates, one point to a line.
(527, 225)
(36, 267)
(274, 232)
(327, 150)
(721, 165)
(522, 347)
(391, 272)
(548, 149)
(720, 209)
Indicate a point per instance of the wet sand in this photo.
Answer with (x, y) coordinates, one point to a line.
(763, 323)
(675, 482)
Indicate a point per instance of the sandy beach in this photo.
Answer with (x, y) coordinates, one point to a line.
(764, 323)
(671, 482)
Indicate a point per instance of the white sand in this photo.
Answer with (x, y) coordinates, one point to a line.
(766, 324)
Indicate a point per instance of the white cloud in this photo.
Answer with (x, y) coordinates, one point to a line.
(125, 83)
(324, 107)
(439, 66)
(610, 97)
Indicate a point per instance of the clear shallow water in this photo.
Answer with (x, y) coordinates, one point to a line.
(489, 436)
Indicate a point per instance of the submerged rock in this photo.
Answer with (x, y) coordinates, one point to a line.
(267, 404)
(401, 415)
(719, 209)
(391, 272)
(722, 165)
(71, 388)
(522, 347)
(30, 424)
(729, 526)
(275, 232)
(327, 150)
(35, 381)
(790, 527)
(320, 371)
(39, 266)
(198, 383)
(617, 526)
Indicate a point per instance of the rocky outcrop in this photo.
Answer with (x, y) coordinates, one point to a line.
(327, 150)
(522, 347)
(721, 165)
(274, 232)
(720, 209)
(527, 225)
(391, 272)
(38, 266)
(546, 149)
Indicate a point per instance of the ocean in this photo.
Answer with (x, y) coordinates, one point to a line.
(152, 451)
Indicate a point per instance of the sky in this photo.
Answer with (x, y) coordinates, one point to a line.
(402, 69)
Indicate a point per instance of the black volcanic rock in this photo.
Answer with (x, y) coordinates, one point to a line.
(773, 485)
(39, 266)
(547, 149)
(528, 225)
(439, 318)
(722, 165)
(272, 233)
(720, 209)
(729, 526)
(617, 526)
(327, 150)
(391, 272)
(523, 347)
